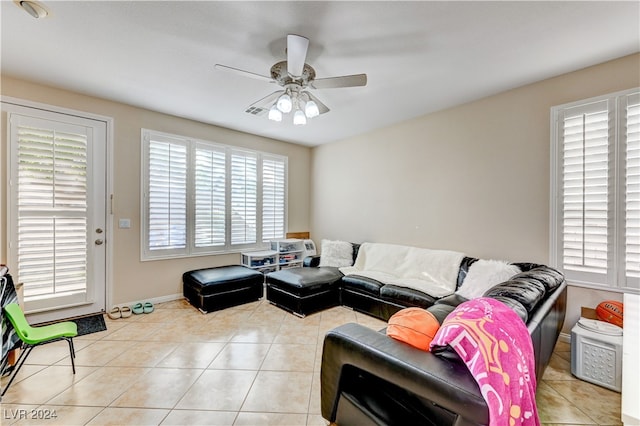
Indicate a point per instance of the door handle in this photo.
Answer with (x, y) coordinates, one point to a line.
(99, 242)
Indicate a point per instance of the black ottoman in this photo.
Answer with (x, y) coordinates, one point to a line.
(212, 289)
(304, 290)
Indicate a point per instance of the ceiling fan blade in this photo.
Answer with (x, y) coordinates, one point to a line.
(343, 81)
(244, 73)
(262, 106)
(322, 108)
(296, 54)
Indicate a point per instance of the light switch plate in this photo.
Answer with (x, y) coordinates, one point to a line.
(124, 223)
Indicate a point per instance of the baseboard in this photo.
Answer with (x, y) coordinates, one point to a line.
(155, 300)
(564, 338)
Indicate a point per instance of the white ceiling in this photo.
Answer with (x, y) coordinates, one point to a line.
(420, 57)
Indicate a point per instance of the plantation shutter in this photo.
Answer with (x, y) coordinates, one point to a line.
(52, 207)
(167, 195)
(244, 197)
(632, 190)
(585, 189)
(273, 197)
(210, 196)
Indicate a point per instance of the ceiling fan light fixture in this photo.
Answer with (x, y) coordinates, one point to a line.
(33, 8)
(311, 109)
(299, 118)
(284, 103)
(275, 114)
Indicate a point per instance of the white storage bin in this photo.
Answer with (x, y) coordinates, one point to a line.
(596, 353)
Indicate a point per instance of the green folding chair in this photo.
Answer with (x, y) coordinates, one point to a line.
(36, 336)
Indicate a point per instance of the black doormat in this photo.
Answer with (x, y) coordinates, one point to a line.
(90, 324)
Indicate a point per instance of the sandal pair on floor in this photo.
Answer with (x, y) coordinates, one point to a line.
(119, 312)
(142, 308)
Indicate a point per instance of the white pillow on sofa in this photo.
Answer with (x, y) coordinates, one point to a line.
(483, 275)
(336, 253)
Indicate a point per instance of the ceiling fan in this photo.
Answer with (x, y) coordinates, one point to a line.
(295, 77)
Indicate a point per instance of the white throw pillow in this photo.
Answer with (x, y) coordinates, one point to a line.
(483, 275)
(336, 253)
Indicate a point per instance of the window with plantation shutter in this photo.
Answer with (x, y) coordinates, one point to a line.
(273, 198)
(595, 214)
(244, 197)
(210, 196)
(205, 198)
(166, 195)
(632, 187)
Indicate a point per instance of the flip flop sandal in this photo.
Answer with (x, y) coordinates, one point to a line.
(125, 311)
(114, 313)
(137, 308)
(148, 307)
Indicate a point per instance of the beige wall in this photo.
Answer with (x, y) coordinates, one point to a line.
(134, 280)
(474, 178)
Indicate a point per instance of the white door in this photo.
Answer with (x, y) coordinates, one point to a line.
(57, 212)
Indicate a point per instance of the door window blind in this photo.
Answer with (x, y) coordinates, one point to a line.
(52, 207)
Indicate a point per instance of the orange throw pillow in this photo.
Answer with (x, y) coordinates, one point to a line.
(414, 326)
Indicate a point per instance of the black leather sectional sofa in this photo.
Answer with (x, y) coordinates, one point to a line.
(368, 378)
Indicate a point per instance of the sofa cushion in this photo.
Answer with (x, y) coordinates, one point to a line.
(336, 253)
(483, 275)
(546, 275)
(528, 292)
(406, 296)
(304, 281)
(362, 284)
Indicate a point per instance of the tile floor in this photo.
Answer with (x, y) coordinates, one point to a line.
(253, 364)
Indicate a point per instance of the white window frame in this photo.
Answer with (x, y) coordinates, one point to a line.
(615, 278)
(190, 250)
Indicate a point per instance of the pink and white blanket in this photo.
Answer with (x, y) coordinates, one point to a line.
(495, 345)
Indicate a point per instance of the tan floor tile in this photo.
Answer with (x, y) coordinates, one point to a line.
(270, 419)
(61, 415)
(250, 333)
(97, 353)
(314, 401)
(290, 357)
(194, 417)
(129, 416)
(101, 387)
(46, 384)
(600, 404)
(192, 355)
(558, 369)
(175, 304)
(159, 388)
(316, 420)
(25, 371)
(218, 390)
(297, 333)
(313, 319)
(134, 332)
(241, 356)
(52, 352)
(143, 354)
(553, 408)
(279, 392)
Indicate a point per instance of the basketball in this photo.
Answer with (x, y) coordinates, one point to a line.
(610, 311)
(414, 326)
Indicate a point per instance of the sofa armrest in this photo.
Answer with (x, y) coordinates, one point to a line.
(354, 348)
(311, 261)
